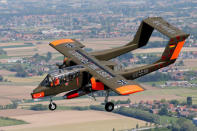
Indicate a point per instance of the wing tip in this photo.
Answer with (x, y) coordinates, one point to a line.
(61, 41)
(129, 89)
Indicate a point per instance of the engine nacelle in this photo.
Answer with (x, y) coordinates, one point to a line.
(96, 85)
(66, 62)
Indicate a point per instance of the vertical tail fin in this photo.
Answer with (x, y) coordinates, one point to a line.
(176, 36)
(176, 41)
(173, 48)
(142, 35)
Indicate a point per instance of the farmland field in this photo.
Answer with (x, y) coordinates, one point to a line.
(26, 80)
(74, 120)
(20, 88)
(5, 121)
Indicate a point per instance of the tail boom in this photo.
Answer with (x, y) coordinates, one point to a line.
(176, 41)
(132, 74)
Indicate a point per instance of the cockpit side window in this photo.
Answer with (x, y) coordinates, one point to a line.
(46, 82)
(70, 76)
(59, 78)
(56, 81)
(64, 79)
(49, 79)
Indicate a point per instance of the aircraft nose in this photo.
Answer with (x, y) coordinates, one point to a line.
(37, 93)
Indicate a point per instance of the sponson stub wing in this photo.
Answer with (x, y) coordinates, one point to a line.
(98, 70)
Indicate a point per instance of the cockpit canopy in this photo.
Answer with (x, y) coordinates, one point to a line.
(60, 76)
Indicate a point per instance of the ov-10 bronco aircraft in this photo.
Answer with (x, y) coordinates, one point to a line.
(82, 73)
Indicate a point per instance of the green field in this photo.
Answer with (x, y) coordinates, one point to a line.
(59, 58)
(177, 91)
(156, 83)
(26, 81)
(4, 57)
(18, 46)
(5, 121)
(167, 119)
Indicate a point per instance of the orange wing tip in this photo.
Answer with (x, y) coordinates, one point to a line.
(61, 41)
(129, 89)
(38, 95)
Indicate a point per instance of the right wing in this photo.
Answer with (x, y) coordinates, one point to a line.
(94, 67)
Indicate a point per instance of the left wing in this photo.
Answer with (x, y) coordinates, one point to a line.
(71, 49)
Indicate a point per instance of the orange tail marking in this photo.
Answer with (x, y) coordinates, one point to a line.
(177, 50)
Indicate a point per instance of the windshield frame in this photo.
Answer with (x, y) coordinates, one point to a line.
(46, 81)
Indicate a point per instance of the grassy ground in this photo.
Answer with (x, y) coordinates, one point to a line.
(19, 81)
(19, 84)
(17, 46)
(193, 81)
(167, 119)
(59, 58)
(4, 57)
(156, 83)
(178, 91)
(26, 80)
(5, 121)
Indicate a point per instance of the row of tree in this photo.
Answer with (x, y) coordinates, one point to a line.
(1, 78)
(13, 105)
(132, 112)
(22, 70)
(157, 76)
(2, 52)
(139, 114)
(45, 58)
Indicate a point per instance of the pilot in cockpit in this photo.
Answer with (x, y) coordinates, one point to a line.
(59, 77)
(55, 82)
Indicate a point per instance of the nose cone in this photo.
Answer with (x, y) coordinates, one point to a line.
(38, 92)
